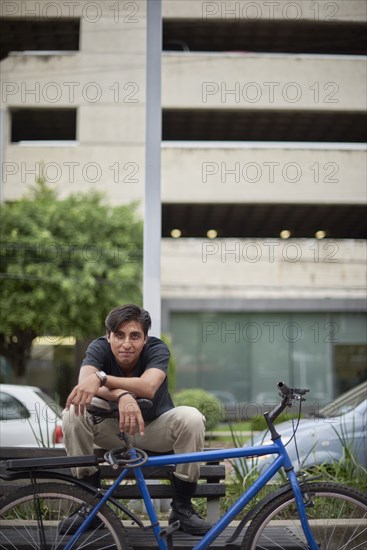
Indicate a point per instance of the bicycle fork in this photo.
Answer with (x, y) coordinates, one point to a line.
(159, 533)
(301, 507)
(293, 480)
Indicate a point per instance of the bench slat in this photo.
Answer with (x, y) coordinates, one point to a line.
(213, 472)
(210, 473)
(165, 491)
(40, 459)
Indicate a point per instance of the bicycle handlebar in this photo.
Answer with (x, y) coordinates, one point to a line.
(109, 409)
(288, 396)
(293, 392)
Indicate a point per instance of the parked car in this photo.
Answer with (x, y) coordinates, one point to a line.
(29, 417)
(323, 438)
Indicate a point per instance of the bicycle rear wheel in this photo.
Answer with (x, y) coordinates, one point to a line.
(338, 520)
(32, 518)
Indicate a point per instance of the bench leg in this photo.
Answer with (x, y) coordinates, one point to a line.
(213, 510)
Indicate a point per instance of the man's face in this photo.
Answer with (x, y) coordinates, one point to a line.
(127, 343)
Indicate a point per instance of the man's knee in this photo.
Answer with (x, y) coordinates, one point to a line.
(190, 418)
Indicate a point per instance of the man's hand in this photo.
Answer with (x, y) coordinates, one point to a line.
(83, 394)
(131, 419)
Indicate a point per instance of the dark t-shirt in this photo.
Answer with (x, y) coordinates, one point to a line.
(154, 354)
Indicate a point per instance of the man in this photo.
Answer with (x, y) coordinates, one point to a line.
(124, 365)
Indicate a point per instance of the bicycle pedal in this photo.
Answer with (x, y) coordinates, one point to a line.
(171, 528)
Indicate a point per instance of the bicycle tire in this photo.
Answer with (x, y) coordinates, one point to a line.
(22, 526)
(277, 524)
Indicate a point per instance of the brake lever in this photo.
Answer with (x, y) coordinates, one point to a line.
(144, 403)
(292, 393)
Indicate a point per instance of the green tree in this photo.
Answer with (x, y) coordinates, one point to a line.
(64, 264)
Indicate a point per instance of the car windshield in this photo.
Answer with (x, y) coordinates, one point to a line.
(56, 408)
(346, 402)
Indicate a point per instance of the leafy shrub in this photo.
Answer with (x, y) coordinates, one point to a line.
(202, 400)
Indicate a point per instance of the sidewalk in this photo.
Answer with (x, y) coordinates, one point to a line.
(144, 540)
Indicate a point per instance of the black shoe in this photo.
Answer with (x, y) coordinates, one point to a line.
(71, 524)
(190, 521)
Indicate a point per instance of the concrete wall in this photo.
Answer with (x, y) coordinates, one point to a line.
(250, 81)
(322, 10)
(257, 173)
(107, 81)
(109, 151)
(263, 173)
(104, 81)
(263, 269)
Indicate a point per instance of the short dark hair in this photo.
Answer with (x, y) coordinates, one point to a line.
(128, 312)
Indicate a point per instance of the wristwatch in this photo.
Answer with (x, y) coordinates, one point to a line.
(102, 377)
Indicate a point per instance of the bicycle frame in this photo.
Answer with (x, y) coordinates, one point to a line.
(282, 459)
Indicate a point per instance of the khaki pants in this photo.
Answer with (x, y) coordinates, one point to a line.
(181, 429)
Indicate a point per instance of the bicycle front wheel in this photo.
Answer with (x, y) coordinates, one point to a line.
(337, 517)
(44, 517)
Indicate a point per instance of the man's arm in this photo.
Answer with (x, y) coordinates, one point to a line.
(89, 385)
(145, 385)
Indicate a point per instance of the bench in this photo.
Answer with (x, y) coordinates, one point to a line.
(213, 475)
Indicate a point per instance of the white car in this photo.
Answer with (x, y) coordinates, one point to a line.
(28, 417)
(323, 438)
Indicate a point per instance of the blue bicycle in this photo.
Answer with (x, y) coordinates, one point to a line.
(300, 515)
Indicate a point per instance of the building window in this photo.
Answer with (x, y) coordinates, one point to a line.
(19, 35)
(259, 220)
(43, 124)
(247, 353)
(263, 125)
(238, 33)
